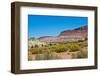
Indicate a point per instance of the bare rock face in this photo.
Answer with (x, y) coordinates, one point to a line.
(68, 35)
(82, 31)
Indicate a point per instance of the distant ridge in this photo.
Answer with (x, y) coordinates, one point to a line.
(79, 29)
(76, 30)
(44, 37)
(76, 34)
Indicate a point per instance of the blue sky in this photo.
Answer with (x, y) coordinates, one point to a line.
(46, 25)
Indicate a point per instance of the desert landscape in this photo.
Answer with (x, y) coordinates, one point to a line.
(68, 44)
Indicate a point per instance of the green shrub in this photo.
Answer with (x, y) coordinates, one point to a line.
(73, 47)
(60, 48)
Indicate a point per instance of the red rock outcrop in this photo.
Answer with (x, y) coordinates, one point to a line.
(68, 35)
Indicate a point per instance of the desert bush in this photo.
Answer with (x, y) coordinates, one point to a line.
(35, 50)
(73, 47)
(74, 55)
(29, 55)
(83, 44)
(60, 48)
(47, 55)
(80, 54)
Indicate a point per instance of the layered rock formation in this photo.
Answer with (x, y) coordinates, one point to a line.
(67, 35)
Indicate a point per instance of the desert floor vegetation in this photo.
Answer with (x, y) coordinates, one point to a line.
(64, 50)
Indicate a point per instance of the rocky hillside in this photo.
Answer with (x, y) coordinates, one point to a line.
(77, 31)
(67, 35)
